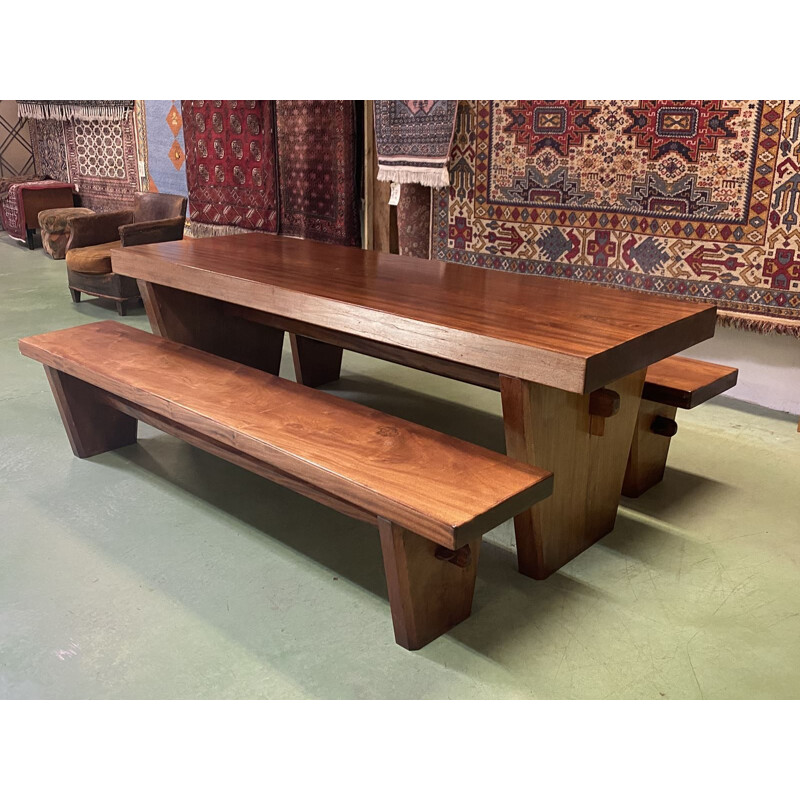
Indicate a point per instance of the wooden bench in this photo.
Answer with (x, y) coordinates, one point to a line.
(431, 496)
(673, 383)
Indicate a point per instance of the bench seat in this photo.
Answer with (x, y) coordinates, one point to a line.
(676, 382)
(432, 496)
(686, 382)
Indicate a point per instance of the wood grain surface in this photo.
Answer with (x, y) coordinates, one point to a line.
(430, 483)
(560, 333)
(428, 596)
(686, 382)
(553, 429)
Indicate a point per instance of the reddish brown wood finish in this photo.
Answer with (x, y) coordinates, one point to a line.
(106, 376)
(472, 325)
(206, 324)
(427, 595)
(92, 427)
(685, 382)
(370, 347)
(439, 487)
(564, 334)
(672, 383)
(36, 200)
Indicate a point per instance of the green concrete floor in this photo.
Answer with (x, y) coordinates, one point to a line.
(158, 571)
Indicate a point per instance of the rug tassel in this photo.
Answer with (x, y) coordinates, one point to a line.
(757, 324)
(204, 230)
(67, 112)
(436, 177)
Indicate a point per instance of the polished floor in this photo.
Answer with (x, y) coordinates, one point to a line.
(158, 571)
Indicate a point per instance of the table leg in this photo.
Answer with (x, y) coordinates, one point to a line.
(649, 448)
(551, 428)
(315, 363)
(207, 324)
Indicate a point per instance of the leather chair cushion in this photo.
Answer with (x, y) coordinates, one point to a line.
(95, 260)
(56, 220)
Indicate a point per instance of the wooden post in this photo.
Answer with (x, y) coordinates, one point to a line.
(649, 448)
(382, 215)
(552, 429)
(92, 427)
(315, 363)
(428, 594)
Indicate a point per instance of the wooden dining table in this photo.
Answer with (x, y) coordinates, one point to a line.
(569, 358)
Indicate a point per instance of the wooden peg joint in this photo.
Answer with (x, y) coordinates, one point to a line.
(603, 403)
(664, 426)
(461, 557)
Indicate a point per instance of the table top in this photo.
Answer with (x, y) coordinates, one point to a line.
(571, 335)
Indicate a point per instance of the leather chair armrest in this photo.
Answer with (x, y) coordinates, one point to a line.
(97, 228)
(161, 230)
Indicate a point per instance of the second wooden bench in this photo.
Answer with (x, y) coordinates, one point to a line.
(676, 382)
(431, 496)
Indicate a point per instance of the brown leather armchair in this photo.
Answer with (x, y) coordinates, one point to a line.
(155, 218)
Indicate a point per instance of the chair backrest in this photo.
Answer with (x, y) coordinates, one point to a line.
(150, 206)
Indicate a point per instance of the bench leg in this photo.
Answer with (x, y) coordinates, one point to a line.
(315, 363)
(75, 294)
(208, 324)
(553, 429)
(649, 448)
(92, 427)
(428, 595)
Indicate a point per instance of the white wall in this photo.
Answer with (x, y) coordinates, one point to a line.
(769, 366)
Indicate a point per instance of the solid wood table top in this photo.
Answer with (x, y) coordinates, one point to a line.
(436, 485)
(571, 335)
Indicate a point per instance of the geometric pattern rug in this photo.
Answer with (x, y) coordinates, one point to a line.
(697, 199)
(102, 160)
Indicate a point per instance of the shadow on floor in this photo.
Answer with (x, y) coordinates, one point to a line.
(677, 488)
(507, 604)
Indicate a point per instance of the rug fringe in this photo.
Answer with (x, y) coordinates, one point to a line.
(65, 112)
(204, 230)
(755, 324)
(435, 177)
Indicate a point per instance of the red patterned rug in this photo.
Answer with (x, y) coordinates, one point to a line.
(319, 170)
(230, 164)
(414, 221)
(691, 198)
(49, 145)
(12, 180)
